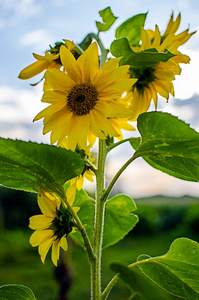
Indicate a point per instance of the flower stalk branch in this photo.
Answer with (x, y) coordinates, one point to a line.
(82, 230)
(115, 178)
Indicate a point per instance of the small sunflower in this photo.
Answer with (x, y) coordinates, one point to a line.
(52, 226)
(51, 59)
(159, 79)
(87, 173)
(83, 99)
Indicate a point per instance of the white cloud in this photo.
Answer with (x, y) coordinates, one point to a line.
(19, 105)
(40, 39)
(14, 11)
(183, 4)
(186, 85)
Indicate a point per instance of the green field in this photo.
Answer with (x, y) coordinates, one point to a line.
(161, 221)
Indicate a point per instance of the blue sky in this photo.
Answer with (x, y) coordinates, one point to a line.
(28, 26)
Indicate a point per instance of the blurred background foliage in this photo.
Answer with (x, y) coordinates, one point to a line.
(162, 220)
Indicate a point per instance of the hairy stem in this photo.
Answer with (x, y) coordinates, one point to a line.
(119, 143)
(109, 287)
(82, 230)
(115, 178)
(98, 222)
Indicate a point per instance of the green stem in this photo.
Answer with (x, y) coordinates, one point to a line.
(91, 166)
(119, 143)
(82, 230)
(98, 222)
(115, 278)
(115, 178)
(109, 287)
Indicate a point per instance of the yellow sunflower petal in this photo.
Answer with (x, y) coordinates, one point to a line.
(163, 88)
(55, 251)
(164, 74)
(95, 128)
(50, 110)
(89, 176)
(72, 134)
(80, 182)
(40, 236)
(70, 64)
(44, 248)
(106, 70)
(114, 109)
(76, 209)
(38, 57)
(40, 222)
(118, 88)
(89, 63)
(116, 74)
(69, 44)
(157, 38)
(63, 243)
(102, 122)
(71, 192)
(58, 80)
(57, 122)
(146, 40)
(153, 94)
(53, 96)
(83, 122)
(46, 205)
(33, 69)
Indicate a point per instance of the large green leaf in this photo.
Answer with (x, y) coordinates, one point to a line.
(143, 59)
(16, 292)
(177, 271)
(108, 19)
(29, 166)
(142, 287)
(119, 219)
(131, 29)
(168, 144)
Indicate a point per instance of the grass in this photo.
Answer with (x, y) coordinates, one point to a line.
(20, 263)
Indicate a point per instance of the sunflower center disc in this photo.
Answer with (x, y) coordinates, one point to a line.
(82, 98)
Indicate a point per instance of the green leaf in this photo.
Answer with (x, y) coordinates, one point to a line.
(131, 29)
(168, 144)
(177, 271)
(142, 287)
(16, 292)
(121, 47)
(108, 19)
(30, 166)
(119, 219)
(143, 59)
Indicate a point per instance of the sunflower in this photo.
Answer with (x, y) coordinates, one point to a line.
(87, 173)
(52, 226)
(51, 59)
(158, 79)
(83, 99)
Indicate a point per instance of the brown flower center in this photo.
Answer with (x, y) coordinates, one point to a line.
(82, 98)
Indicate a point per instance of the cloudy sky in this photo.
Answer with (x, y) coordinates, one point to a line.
(28, 26)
